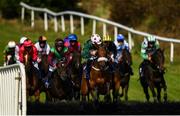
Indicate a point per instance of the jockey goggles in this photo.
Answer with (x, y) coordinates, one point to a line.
(60, 44)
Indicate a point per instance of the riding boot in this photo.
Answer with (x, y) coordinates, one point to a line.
(88, 69)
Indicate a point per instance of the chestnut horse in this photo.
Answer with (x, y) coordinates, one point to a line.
(101, 76)
(32, 79)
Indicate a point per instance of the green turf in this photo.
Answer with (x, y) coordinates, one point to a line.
(13, 30)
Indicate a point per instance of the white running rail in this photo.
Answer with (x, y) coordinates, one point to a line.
(12, 90)
(95, 19)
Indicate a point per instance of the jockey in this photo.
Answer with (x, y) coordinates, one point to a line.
(10, 49)
(56, 54)
(29, 47)
(149, 45)
(42, 46)
(120, 45)
(90, 51)
(111, 48)
(74, 46)
(22, 40)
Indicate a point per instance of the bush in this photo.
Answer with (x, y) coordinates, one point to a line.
(11, 8)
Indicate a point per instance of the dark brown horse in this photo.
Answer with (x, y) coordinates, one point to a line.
(61, 86)
(75, 69)
(154, 76)
(10, 59)
(32, 79)
(100, 76)
(122, 75)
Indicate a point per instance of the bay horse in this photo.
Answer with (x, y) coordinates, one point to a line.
(32, 79)
(122, 75)
(154, 76)
(43, 68)
(101, 76)
(60, 83)
(75, 70)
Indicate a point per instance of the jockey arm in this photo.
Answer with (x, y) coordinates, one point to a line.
(85, 52)
(21, 52)
(34, 54)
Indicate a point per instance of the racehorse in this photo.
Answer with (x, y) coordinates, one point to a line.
(75, 73)
(10, 59)
(32, 79)
(44, 65)
(60, 84)
(154, 76)
(101, 76)
(122, 75)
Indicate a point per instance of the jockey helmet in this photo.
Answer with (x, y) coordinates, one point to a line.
(22, 40)
(59, 42)
(28, 43)
(42, 38)
(95, 38)
(151, 40)
(120, 37)
(11, 44)
(106, 38)
(72, 37)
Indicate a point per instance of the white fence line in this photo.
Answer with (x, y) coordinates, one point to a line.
(12, 90)
(95, 19)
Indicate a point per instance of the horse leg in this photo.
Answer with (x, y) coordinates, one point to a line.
(126, 92)
(165, 94)
(164, 88)
(151, 86)
(116, 91)
(37, 95)
(159, 93)
(145, 87)
(107, 96)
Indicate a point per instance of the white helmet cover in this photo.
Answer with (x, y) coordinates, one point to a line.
(11, 44)
(22, 40)
(95, 38)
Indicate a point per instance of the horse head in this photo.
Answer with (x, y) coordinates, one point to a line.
(44, 63)
(27, 60)
(62, 69)
(102, 58)
(10, 59)
(126, 56)
(158, 59)
(75, 59)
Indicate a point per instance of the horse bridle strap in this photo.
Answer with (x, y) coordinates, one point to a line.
(97, 69)
(102, 59)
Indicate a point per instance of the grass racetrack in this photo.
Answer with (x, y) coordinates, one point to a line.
(13, 30)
